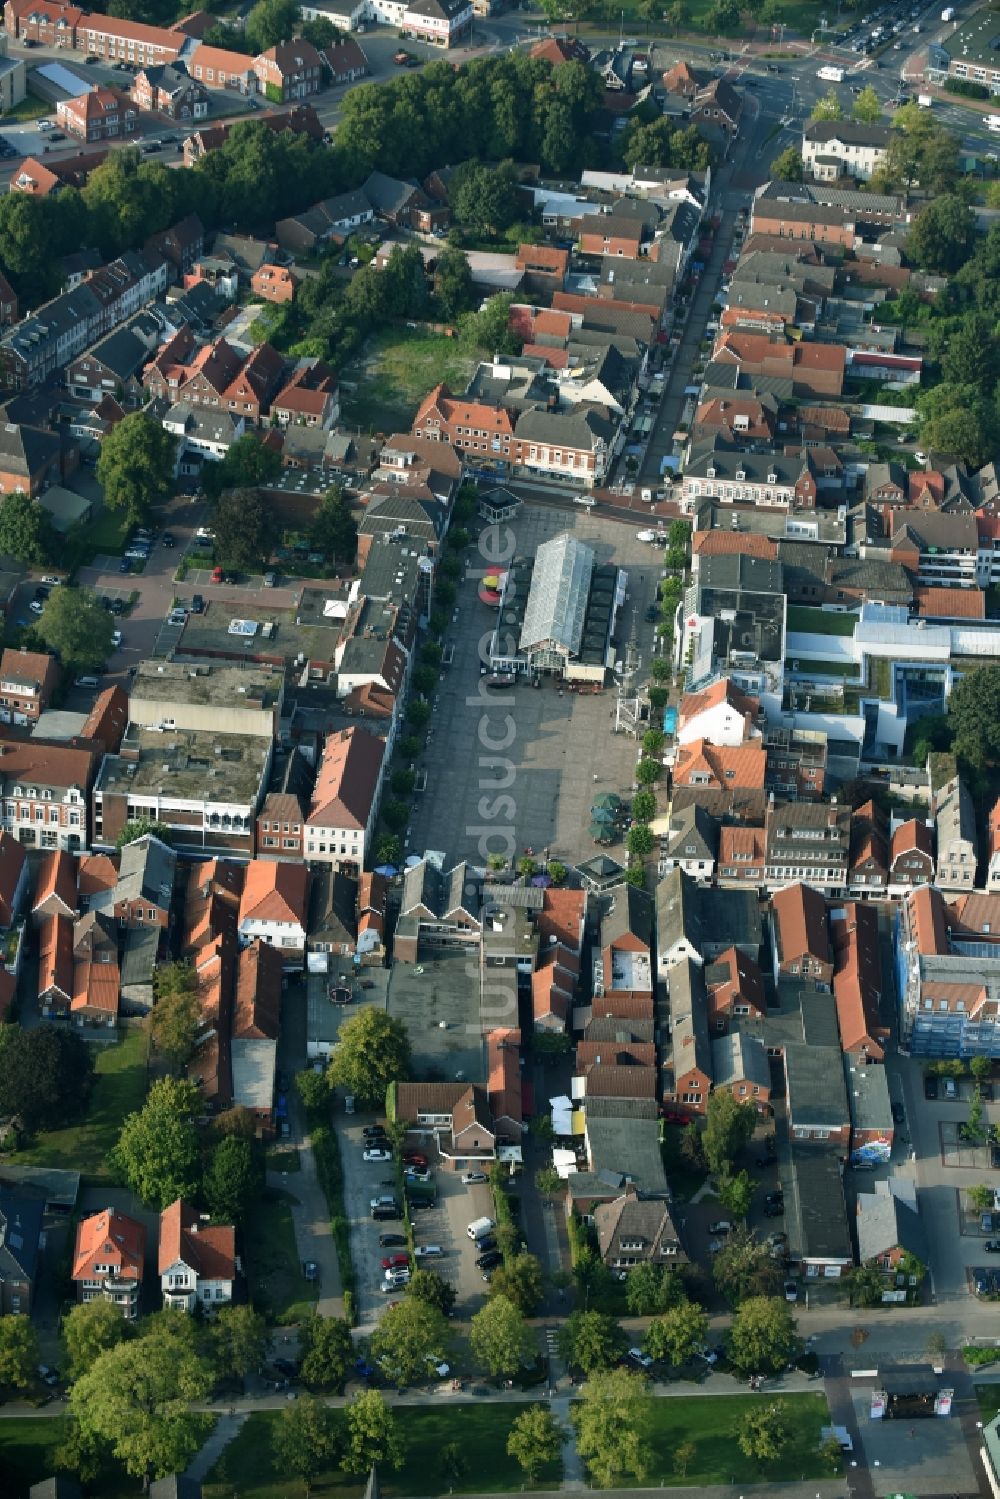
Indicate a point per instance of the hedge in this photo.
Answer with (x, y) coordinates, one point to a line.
(326, 1153)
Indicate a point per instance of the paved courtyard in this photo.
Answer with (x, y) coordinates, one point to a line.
(928, 1456)
(517, 769)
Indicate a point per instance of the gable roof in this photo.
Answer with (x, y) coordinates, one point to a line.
(56, 879)
(275, 891)
(209, 1251)
(111, 1238)
(800, 927)
(347, 780)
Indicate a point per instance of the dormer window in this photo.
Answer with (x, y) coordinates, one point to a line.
(741, 473)
(710, 473)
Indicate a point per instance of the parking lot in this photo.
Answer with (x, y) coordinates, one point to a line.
(559, 744)
(444, 1224)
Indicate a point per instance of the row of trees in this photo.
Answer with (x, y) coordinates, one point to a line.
(492, 109)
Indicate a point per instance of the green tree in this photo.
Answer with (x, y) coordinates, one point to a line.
(77, 627)
(609, 1419)
(678, 1335)
(135, 468)
(684, 1456)
(404, 1337)
(743, 1268)
(981, 1068)
(867, 107)
(980, 1198)
(25, 529)
(644, 806)
(763, 1432)
(548, 1182)
(454, 1463)
(591, 1341)
(534, 1440)
(499, 1338)
(650, 1289)
(334, 530)
(247, 464)
(270, 22)
(653, 741)
(418, 713)
(639, 841)
(157, 1154)
(453, 282)
(244, 530)
(321, 32)
(18, 1352)
(520, 1280)
(46, 1076)
(176, 1018)
(526, 867)
(787, 166)
(143, 827)
(374, 1051)
(373, 1439)
(974, 716)
(827, 108)
(388, 849)
(762, 1337)
(233, 1178)
(313, 1088)
(137, 1398)
(88, 1330)
(429, 1286)
(635, 875)
(736, 1194)
(647, 772)
(943, 235)
(327, 1353)
(239, 1341)
(306, 1439)
(556, 871)
(729, 1127)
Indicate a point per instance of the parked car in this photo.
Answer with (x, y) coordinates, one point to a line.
(373, 1131)
(217, 574)
(197, 604)
(417, 1174)
(637, 1356)
(471, 1178)
(898, 1113)
(414, 1158)
(391, 1241)
(992, 1246)
(930, 1085)
(386, 1213)
(950, 1089)
(722, 1227)
(791, 1291)
(310, 1270)
(396, 1262)
(168, 539)
(427, 1251)
(36, 606)
(490, 1260)
(377, 1154)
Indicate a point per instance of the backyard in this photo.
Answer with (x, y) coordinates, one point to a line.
(384, 386)
(247, 1467)
(103, 535)
(274, 1274)
(119, 1089)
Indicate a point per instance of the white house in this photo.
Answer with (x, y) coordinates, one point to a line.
(345, 800)
(197, 1261)
(275, 907)
(837, 148)
(722, 714)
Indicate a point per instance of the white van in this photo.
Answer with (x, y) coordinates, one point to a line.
(480, 1228)
(87, 682)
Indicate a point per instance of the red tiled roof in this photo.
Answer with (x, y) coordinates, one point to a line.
(799, 914)
(275, 891)
(735, 543)
(857, 980)
(913, 834)
(743, 846)
(56, 877)
(950, 603)
(347, 780)
(926, 907)
(741, 767)
(210, 1252)
(561, 917)
(109, 1238)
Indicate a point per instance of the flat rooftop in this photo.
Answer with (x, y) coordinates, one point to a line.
(437, 1000)
(187, 765)
(229, 686)
(208, 635)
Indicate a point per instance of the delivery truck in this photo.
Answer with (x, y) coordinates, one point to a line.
(831, 74)
(948, 14)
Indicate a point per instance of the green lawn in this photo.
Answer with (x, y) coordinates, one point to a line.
(274, 1272)
(27, 1447)
(708, 1421)
(395, 370)
(104, 535)
(806, 621)
(31, 107)
(119, 1089)
(684, 1179)
(806, 668)
(247, 1467)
